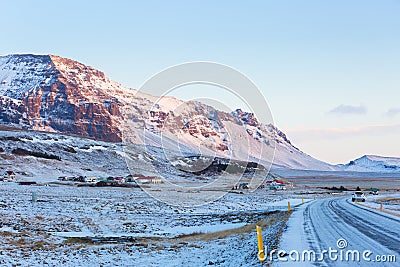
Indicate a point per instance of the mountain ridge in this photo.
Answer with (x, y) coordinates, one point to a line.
(54, 94)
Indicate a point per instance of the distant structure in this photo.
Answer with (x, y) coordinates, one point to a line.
(148, 180)
(8, 176)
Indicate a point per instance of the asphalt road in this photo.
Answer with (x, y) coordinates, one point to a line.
(360, 236)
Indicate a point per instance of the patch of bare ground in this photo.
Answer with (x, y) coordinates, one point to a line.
(6, 156)
(273, 223)
(270, 220)
(25, 242)
(273, 220)
(11, 129)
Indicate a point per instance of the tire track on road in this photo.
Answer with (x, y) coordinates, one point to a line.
(380, 233)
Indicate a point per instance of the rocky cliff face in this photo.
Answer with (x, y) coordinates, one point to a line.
(54, 94)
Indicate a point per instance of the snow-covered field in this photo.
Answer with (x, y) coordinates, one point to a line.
(90, 226)
(104, 226)
(390, 202)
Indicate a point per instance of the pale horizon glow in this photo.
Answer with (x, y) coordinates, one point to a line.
(326, 68)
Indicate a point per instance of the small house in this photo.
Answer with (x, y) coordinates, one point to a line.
(110, 179)
(8, 176)
(130, 179)
(156, 180)
(11, 175)
(244, 186)
(90, 179)
(277, 185)
(63, 178)
(241, 186)
(282, 187)
(148, 180)
(119, 180)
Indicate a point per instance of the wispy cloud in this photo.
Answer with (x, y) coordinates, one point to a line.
(348, 109)
(300, 135)
(393, 112)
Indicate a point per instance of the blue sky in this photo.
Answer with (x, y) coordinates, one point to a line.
(329, 69)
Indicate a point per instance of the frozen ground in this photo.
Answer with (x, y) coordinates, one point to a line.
(390, 202)
(93, 226)
(348, 179)
(85, 226)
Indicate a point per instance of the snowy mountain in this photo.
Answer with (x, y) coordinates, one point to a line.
(371, 163)
(54, 94)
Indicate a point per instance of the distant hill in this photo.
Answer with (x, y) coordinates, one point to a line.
(371, 163)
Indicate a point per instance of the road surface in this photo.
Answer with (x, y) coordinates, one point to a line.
(351, 234)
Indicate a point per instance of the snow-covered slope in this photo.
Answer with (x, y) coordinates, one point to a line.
(54, 94)
(21, 73)
(46, 156)
(371, 163)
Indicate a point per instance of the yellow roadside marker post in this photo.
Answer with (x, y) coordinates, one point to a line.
(261, 253)
(380, 208)
(302, 200)
(288, 206)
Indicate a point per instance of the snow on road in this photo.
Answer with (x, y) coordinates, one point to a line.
(344, 229)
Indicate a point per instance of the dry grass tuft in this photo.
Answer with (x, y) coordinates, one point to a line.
(392, 200)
